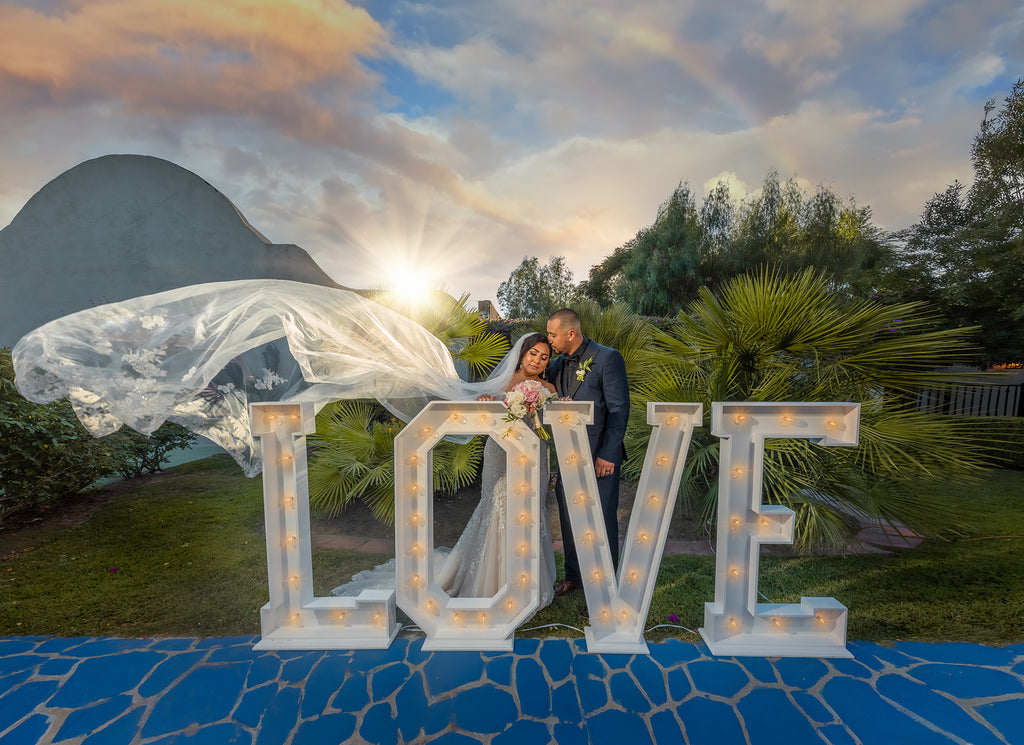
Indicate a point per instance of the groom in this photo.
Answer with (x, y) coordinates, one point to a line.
(588, 371)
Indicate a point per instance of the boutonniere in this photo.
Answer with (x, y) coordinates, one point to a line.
(584, 368)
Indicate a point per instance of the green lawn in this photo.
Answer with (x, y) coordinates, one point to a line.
(184, 555)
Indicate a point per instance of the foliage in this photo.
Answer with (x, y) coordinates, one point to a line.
(135, 454)
(534, 290)
(966, 253)
(45, 453)
(352, 453)
(1003, 436)
(353, 458)
(771, 337)
(663, 267)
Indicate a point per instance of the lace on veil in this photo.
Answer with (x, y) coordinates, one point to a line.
(200, 355)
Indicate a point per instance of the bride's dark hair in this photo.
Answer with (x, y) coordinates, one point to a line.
(529, 343)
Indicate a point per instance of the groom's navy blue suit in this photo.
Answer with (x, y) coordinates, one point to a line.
(605, 384)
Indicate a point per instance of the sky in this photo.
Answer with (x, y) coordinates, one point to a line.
(402, 142)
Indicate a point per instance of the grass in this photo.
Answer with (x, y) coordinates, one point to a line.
(184, 555)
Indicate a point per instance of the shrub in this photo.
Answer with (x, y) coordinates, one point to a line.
(45, 452)
(1002, 437)
(135, 454)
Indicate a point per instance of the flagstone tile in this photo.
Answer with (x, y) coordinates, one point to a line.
(532, 690)
(626, 694)
(264, 667)
(718, 677)
(569, 734)
(869, 717)
(378, 725)
(484, 710)
(666, 727)
(801, 672)
(771, 718)
(208, 694)
(1007, 717)
(280, 718)
(812, 707)
(121, 731)
(959, 652)
(353, 695)
(968, 681)
(614, 727)
(499, 670)
(57, 667)
(29, 731)
(166, 672)
(98, 678)
(411, 702)
(329, 728)
(254, 703)
(935, 708)
(523, 731)
(84, 720)
(323, 681)
(445, 671)
(759, 668)
(556, 657)
(388, 679)
(707, 722)
(16, 703)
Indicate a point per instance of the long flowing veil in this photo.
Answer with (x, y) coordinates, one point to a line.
(200, 355)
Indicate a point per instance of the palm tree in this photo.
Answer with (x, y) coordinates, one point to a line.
(768, 337)
(352, 453)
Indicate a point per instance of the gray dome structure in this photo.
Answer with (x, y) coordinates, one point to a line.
(121, 226)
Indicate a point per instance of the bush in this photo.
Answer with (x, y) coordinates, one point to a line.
(45, 452)
(135, 454)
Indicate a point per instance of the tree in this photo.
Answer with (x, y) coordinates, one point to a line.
(533, 290)
(775, 337)
(967, 251)
(781, 228)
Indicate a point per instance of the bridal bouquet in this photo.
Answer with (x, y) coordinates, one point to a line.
(526, 399)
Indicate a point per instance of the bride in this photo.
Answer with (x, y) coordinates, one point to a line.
(475, 567)
(200, 355)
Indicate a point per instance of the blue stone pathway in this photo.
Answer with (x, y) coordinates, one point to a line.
(219, 691)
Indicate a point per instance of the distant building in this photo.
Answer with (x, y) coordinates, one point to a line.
(121, 226)
(487, 310)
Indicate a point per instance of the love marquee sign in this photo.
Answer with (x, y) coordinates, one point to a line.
(734, 623)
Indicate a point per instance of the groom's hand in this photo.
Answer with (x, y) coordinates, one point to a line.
(603, 467)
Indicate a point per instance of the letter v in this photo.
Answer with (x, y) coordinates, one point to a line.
(618, 605)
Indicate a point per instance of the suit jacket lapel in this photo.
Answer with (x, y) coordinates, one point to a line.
(589, 355)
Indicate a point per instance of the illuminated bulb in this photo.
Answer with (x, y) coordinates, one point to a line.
(564, 419)
(662, 461)
(596, 576)
(820, 617)
(778, 623)
(523, 549)
(523, 488)
(732, 622)
(415, 518)
(292, 539)
(588, 538)
(605, 615)
(734, 523)
(294, 579)
(414, 487)
(734, 573)
(642, 537)
(625, 615)
(286, 459)
(739, 418)
(416, 581)
(581, 498)
(523, 460)
(764, 522)
(634, 575)
(524, 517)
(653, 499)
(524, 579)
(416, 549)
(414, 459)
(510, 604)
(457, 617)
(483, 618)
(378, 618)
(831, 423)
(484, 419)
(737, 472)
(571, 460)
(672, 420)
(786, 419)
(295, 417)
(431, 605)
(295, 618)
(425, 431)
(290, 501)
(341, 615)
